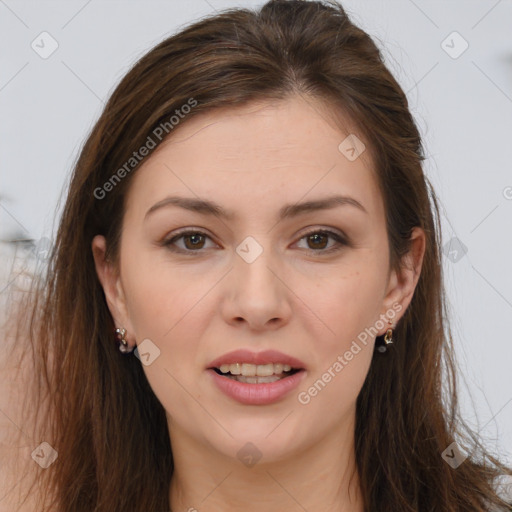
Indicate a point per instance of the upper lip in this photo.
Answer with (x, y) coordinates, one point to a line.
(250, 357)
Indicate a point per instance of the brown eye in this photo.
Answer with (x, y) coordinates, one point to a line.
(317, 241)
(193, 241)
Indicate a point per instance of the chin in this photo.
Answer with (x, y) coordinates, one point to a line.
(268, 440)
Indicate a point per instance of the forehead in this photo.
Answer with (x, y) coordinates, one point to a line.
(258, 154)
(288, 127)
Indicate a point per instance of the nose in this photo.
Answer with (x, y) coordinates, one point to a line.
(256, 295)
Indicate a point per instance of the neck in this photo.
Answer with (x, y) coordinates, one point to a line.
(319, 478)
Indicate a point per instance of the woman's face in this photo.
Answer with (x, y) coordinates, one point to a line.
(263, 277)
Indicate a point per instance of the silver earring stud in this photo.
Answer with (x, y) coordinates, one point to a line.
(388, 338)
(123, 344)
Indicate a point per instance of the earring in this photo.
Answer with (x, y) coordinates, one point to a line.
(123, 344)
(388, 338)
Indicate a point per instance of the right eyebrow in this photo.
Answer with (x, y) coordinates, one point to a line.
(207, 207)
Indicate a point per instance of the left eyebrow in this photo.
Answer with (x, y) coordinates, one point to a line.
(206, 207)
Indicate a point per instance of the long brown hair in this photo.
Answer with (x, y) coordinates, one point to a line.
(102, 417)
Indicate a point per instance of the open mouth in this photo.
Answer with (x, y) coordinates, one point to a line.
(258, 379)
(262, 383)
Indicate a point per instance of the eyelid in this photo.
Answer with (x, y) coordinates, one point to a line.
(341, 239)
(339, 236)
(327, 230)
(168, 241)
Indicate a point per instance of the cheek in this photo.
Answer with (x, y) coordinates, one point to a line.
(158, 293)
(170, 307)
(348, 304)
(351, 299)
(335, 387)
(165, 307)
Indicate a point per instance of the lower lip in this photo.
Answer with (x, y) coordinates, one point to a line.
(257, 394)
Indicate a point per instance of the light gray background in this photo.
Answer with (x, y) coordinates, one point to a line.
(463, 107)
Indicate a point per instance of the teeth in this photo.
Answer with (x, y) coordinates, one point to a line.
(248, 370)
(255, 380)
(253, 370)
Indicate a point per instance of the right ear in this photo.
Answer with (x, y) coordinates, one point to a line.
(110, 280)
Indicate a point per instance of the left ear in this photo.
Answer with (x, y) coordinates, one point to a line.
(110, 280)
(401, 284)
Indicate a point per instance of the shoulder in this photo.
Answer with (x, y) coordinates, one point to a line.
(17, 276)
(17, 470)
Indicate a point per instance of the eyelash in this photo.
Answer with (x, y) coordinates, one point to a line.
(341, 241)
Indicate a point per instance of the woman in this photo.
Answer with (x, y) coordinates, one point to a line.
(244, 304)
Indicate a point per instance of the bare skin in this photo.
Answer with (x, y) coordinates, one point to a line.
(295, 297)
